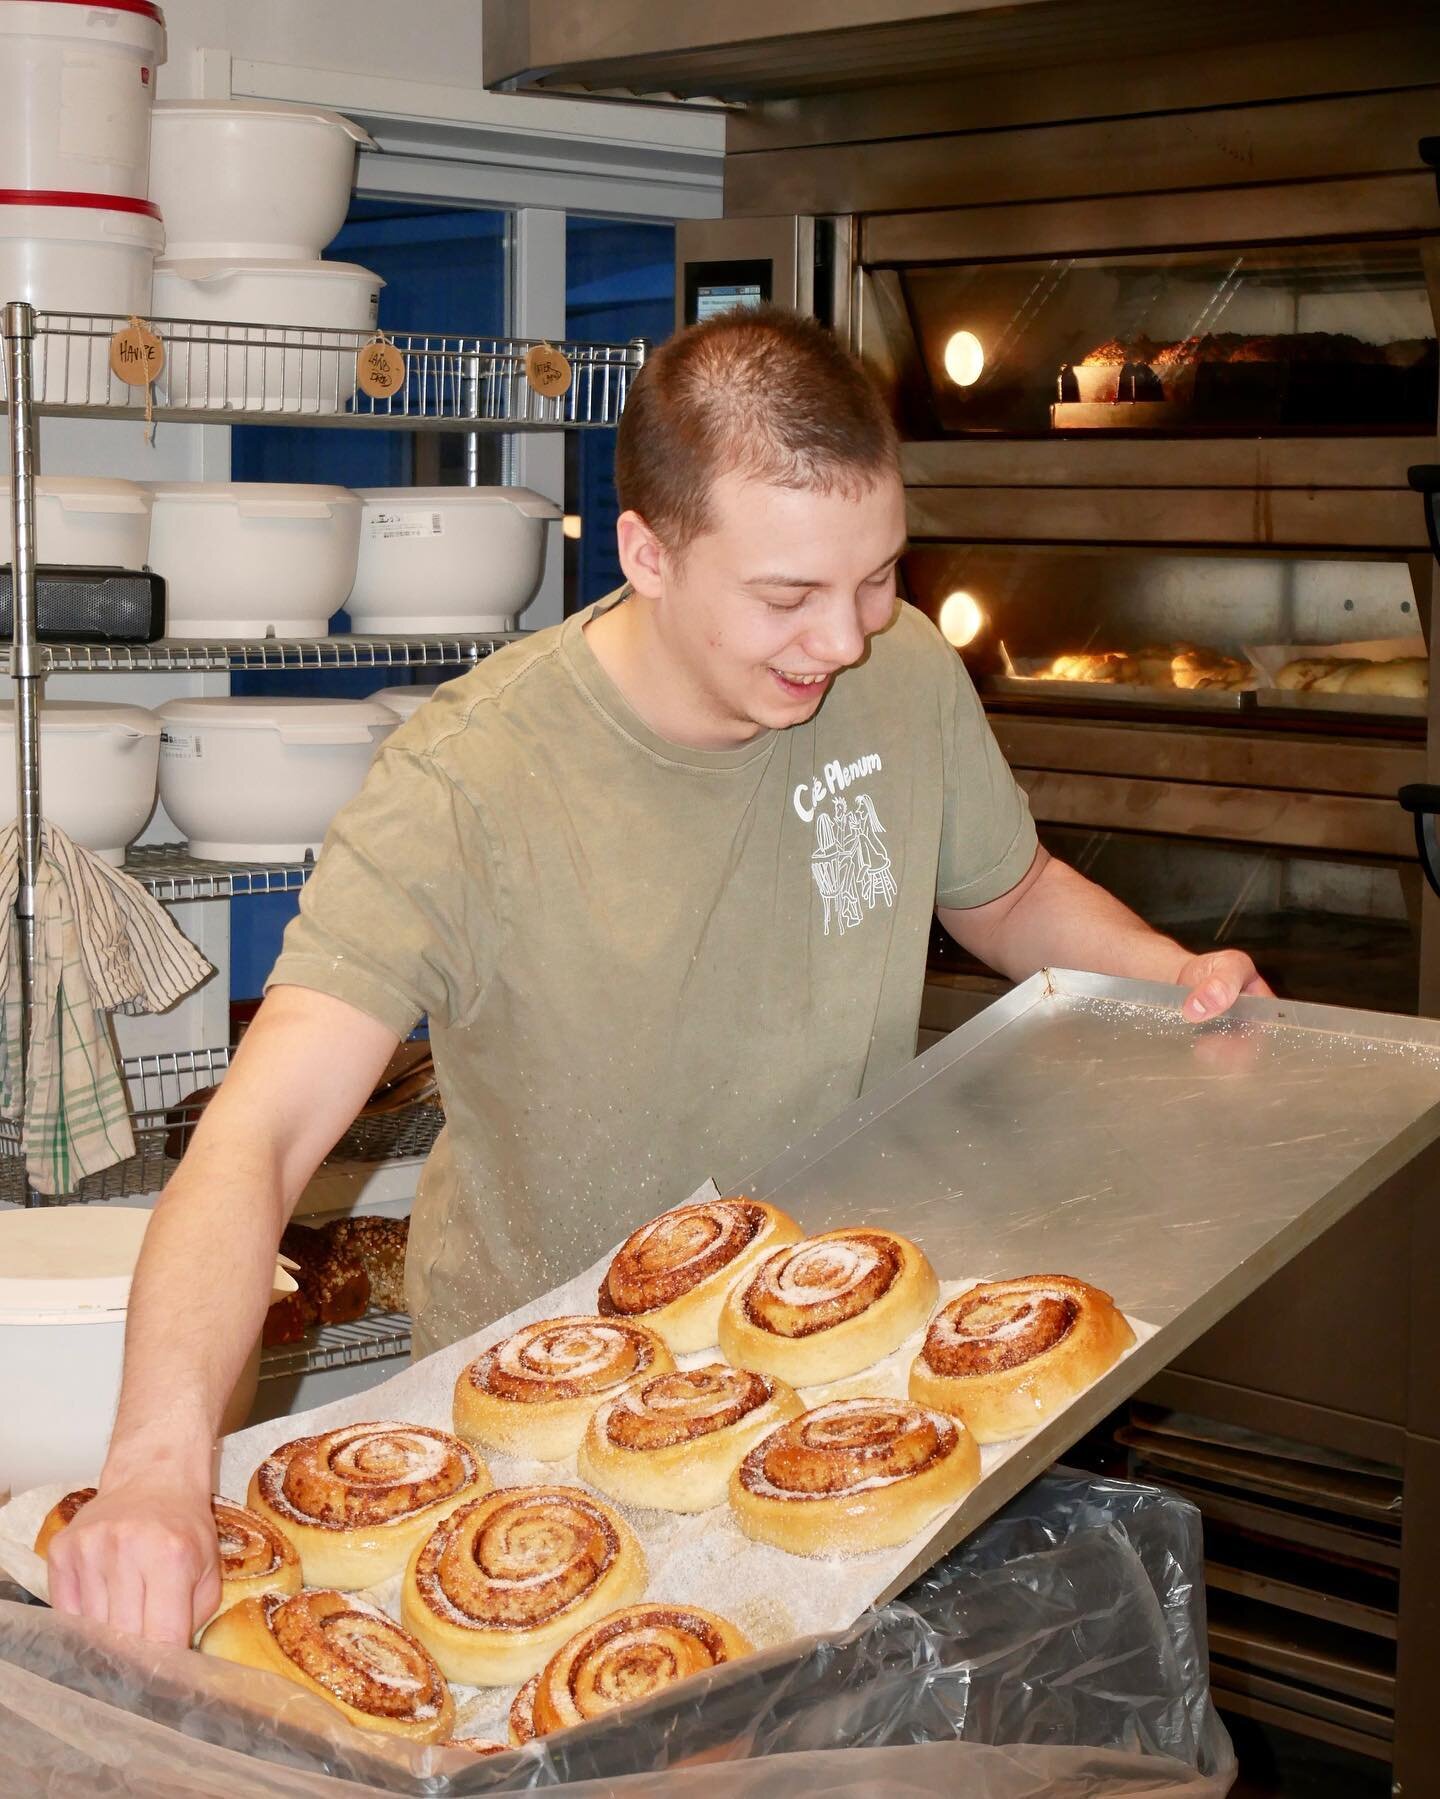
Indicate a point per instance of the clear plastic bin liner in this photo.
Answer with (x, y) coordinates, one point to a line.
(1060, 1651)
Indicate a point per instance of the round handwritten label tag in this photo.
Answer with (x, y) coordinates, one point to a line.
(136, 355)
(380, 369)
(547, 370)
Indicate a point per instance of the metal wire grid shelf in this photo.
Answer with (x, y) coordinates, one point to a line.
(169, 872)
(218, 370)
(167, 1095)
(376, 1337)
(259, 654)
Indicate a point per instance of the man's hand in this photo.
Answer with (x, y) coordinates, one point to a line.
(141, 1556)
(1216, 980)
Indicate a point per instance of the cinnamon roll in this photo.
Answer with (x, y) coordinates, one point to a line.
(256, 1557)
(675, 1271)
(1007, 1355)
(532, 1394)
(673, 1441)
(828, 1306)
(355, 1501)
(345, 1650)
(522, 1714)
(502, 1582)
(477, 1745)
(854, 1475)
(628, 1656)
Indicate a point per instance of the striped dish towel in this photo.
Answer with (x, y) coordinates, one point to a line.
(102, 945)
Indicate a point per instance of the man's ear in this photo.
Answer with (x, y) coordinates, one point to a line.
(641, 554)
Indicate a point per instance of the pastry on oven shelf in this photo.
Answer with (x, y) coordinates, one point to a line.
(1403, 677)
(1098, 665)
(356, 1500)
(853, 1476)
(378, 1244)
(328, 1274)
(1005, 1356)
(1301, 675)
(345, 1650)
(828, 1306)
(1194, 669)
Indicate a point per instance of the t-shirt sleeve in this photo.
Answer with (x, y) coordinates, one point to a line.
(400, 917)
(987, 840)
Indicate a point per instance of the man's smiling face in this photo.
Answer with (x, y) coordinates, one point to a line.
(765, 608)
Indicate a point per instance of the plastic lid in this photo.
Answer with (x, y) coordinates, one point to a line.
(86, 715)
(266, 713)
(145, 8)
(248, 490)
(265, 109)
(69, 1258)
(213, 268)
(79, 486)
(523, 499)
(62, 196)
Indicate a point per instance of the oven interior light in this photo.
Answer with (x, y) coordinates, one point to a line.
(961, 619)
(964, 358)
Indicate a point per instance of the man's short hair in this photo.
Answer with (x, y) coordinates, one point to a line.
(764, 393)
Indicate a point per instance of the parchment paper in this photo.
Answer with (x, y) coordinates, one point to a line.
(697, 1559)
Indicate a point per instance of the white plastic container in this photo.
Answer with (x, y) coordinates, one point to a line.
(91, 255)
(448, 558)
(65, 1274)
(404, 702)
(76, 84)
(251, 178)
(251, 780)
(87, 520)
(253, 558)
(98, 766)
(296, 366)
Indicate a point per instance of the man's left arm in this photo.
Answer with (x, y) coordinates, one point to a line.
(1054, 917)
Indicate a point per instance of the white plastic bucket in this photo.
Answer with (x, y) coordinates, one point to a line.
(448, 558)
(251, 780)
(98, 767)
(253, 558)
(405, 702)
(251, 178)
(283, 317)
(86, 520)
(76, 85)
(85, 253)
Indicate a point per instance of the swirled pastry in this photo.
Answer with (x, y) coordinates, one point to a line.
(477, 1745)
(532, 1394)
(854, 1475)
(498, 1585)
(345, 1650)
(674, 1271)
(355, 1501)
(1007, 1355)
(256, 1557)
(828, 1306)
(522, 1714)
(673, 1441)
(628, 1656)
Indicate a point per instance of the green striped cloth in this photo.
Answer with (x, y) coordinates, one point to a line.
(102, 945)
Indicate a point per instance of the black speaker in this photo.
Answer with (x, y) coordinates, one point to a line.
(90, 605)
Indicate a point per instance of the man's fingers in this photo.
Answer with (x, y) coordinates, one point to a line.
(94, 1588)
(205, 1596)
(125, 1589)
(64, 1580)
(1210, 997)
(169, 1593)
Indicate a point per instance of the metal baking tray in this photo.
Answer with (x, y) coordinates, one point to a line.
(1389, 705)
(1079, 1126)
(1114, 693)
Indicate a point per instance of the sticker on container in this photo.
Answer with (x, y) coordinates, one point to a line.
(547, 370)
(179, 746)
(382, 527)
(136, 354)
(380, 369)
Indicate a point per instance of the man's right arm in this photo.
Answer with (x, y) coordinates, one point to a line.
(142, 1555)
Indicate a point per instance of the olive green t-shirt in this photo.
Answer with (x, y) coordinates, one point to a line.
(644, 964)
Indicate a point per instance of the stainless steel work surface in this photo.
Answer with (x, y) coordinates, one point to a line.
(1080, 1126)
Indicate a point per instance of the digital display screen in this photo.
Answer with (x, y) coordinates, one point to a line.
(735, 296)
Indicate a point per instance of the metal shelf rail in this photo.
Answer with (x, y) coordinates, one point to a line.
(235, 373)
(377, 1337)
(273, 655)
(168, 872)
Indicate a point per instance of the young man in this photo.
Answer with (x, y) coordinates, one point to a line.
(662, 881)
